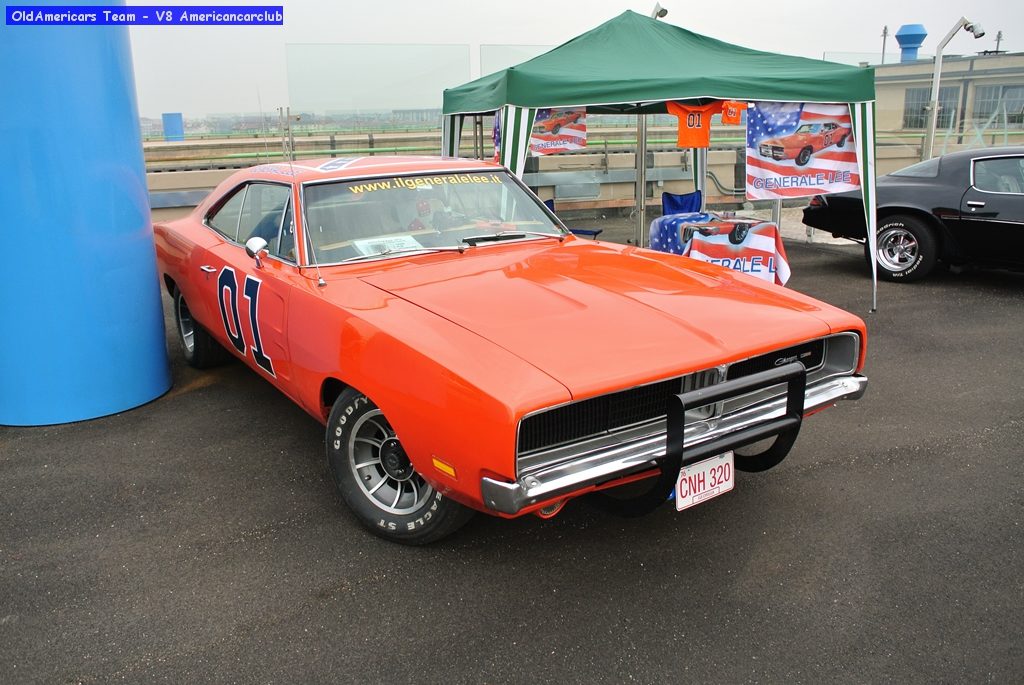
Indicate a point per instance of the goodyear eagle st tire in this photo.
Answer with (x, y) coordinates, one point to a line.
(378, 482)
(907, 250)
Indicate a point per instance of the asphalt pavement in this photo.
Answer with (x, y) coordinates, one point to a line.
(199, 539)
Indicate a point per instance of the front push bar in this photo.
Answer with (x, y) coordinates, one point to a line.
(794, 375)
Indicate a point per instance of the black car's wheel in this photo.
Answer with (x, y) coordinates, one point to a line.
(907, 250)
(556, 128)
(804, 156)
(377, 480)
(199, 348)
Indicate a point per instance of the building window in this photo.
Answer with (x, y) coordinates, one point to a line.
(915, 107)
(989, 100)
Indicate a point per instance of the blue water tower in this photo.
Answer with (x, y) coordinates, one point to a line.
(910, 37)
(80, 311)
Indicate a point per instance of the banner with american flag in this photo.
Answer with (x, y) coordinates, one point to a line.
(745, 245)
(755, 250)
(559, 130)
(798, 150)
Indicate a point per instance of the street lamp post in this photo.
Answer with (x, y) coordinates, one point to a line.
(933, 114)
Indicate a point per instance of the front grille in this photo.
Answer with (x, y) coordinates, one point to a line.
(597, 415)
(810, 354)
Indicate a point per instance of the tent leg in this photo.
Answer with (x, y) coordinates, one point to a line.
(700, 174)
(641, 179)
(478, 137)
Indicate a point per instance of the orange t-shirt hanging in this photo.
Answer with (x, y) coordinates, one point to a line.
(694, 122)
(732, 112)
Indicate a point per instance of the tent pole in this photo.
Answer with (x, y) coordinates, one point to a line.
(700, 174)
(478, 137)
(641, 178)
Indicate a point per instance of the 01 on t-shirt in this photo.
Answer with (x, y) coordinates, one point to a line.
(732, 112)
(694, 122)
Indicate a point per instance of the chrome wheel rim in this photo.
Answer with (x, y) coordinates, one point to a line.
(186, 326)
(897, 249)
(381, 468)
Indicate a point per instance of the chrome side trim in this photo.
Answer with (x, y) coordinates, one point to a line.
(637, 447)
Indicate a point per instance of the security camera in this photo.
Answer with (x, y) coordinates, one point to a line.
(975, 29)
(658, 12)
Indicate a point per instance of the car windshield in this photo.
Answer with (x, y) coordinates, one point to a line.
(351, 220)
(809, 128)
(926, 169)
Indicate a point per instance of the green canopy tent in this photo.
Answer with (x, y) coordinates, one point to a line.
(633, 64)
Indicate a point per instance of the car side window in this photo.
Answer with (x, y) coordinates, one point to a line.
(225, 219)
(285, 246)
(262, 211)
(1001, 175)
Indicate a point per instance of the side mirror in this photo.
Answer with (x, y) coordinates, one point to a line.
(256, 247)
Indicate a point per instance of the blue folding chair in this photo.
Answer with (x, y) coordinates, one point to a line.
(673, 203)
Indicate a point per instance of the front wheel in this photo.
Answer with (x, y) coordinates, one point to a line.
(907, 250)
(199, 348)
(378, 482)
(804, 156)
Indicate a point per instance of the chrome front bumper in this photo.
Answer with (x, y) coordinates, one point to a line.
(633, 451)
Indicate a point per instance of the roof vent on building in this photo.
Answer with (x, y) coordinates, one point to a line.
(910, 38)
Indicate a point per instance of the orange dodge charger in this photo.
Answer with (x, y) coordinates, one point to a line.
(467, 353)
(805, 141)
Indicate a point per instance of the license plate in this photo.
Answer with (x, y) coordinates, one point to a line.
(704, 480)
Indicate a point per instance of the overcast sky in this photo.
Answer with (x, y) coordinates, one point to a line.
(247, 69)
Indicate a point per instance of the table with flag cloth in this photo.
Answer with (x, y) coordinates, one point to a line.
(751, 246)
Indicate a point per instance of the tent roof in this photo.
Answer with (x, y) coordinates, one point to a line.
(634, 59)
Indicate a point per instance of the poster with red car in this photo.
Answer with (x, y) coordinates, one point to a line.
(799, 150)
(559, 130)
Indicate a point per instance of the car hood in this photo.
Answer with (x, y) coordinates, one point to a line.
(595, 316)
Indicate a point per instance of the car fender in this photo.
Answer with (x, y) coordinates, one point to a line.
(436, 382)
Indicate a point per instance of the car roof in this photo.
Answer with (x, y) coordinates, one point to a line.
(983, 152)
(328, 168)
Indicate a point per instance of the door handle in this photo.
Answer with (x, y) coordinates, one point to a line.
(975, 203)
(207, 268)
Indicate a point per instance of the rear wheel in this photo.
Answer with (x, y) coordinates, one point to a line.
(842, 142)
(378, 482)
(907, 249)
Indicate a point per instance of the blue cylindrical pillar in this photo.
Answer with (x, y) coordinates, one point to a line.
(81, 322)
(174, 126)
